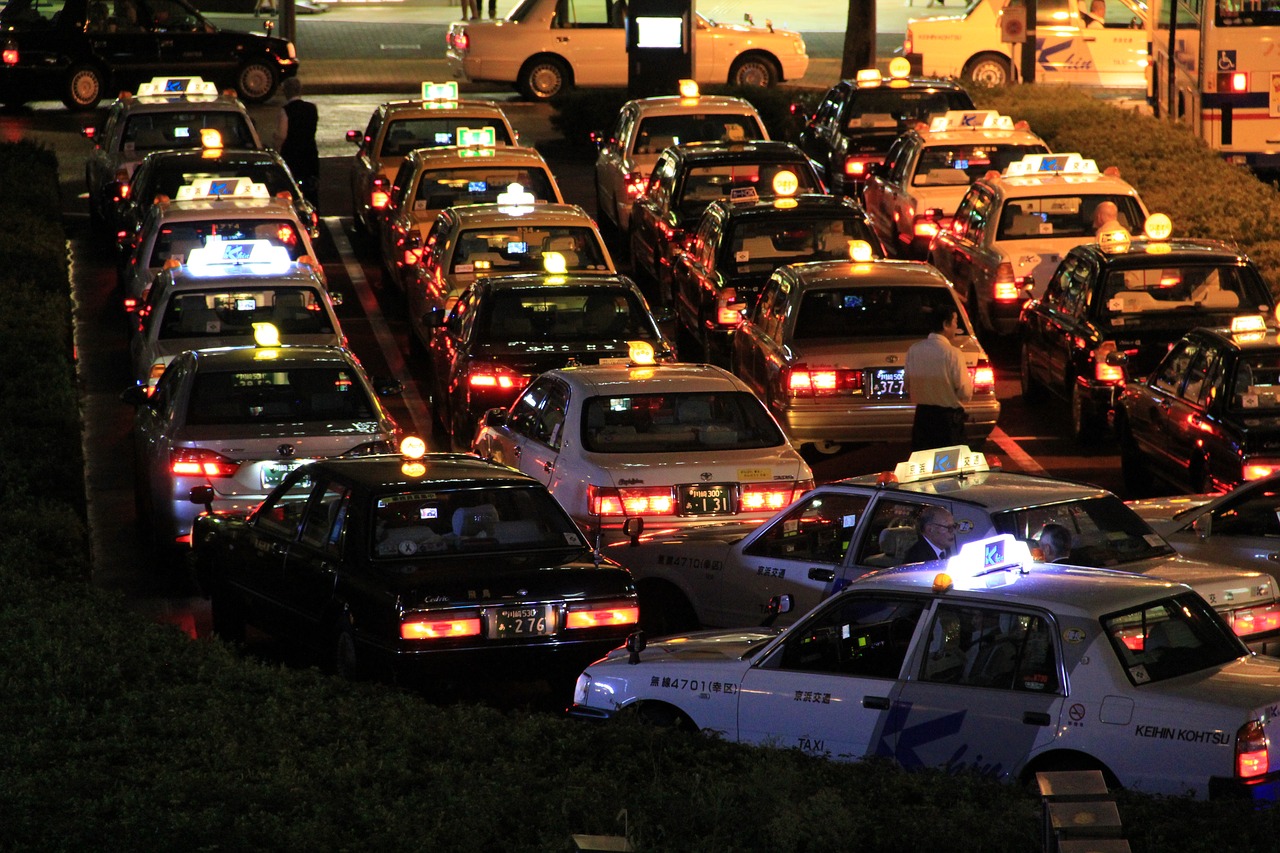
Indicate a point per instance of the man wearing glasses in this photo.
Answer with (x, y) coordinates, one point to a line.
(937, 540)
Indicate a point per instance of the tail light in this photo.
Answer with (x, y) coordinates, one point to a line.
(857, 168)
(1258, 470)
(757, 497)
(983, 376)
(130, 304)
(459, 40)
(1108, 373)
(440, 626)
(10, 54)
(906, 43)
(1252, 759)
(803, 381)
(379, 193)
(495, 377)
(728, 309)
(1007, 287)
(198, 462)
(636, 182)
(926, 225)
(1248, 621)
(602, 615)
(411, 256)
(607, 501)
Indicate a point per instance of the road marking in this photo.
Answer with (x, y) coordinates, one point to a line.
(386, 342)
(1016, 454)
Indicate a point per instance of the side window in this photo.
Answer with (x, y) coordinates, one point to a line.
(326, 517)
(620, 133)
(1173, 369)
(865, 636)
(167, 389)
(889, 534)
(894, 156)
(524, 412)
(1055, 290)
(548, 422)
(1213, 382)
(1054, 13)
(776, 313)
(899, 173)
(1257, 516)
(592, 13)
(985, 647)
(284, 510)
(765, 303)
(818, 529)
(661, 182)
(980, 215)
(1198, 387)
(370, 135)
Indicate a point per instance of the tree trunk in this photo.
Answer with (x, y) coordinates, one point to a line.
(859, 39)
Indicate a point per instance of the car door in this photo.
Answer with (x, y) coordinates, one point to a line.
(508, 441)
(1198, 449)
(545, 436)
(593, 41)
(880, 196)
(185, 44)
(1243, 530)
(650, 209)
(126, 45)
(827, 688)
(691, 275)
(1147, 411)
(816, 137)
(612, 166)
(758, 336)
(315, 560)
(891, 527)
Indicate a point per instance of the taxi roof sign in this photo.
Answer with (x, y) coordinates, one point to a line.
(868, 77)
(439, 91)
(220, 256)
(989, 559)
(970, 120)
(484, 137)
(240, 187)
(177, 86)
(940, 462)
(516, 199)
(1051, 164)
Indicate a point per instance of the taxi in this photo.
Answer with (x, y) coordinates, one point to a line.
(858, 120)
(646, 127)
(505, 330)
(431, 179)
(201, 210)
(1114, 307)
(542, 48)
(1013, 228)
(238, 419)
(992, 663)
(166, 112)
(1208, 416)
(914, 193)
(395, 128)
(737, 245)
(417, 568)
(723, 576)
(515, 235)
(825, 348)
(221, 296)
(689, 177)
(678, 445)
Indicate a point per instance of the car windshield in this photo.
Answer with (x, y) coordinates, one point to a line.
(884, 106)
(961, 165)
(287, 395)
(168, 177)
(404, 135)
(450, 521)
(869, 312)
(441, 188)
(551, 314)
(512, 247)
(659, 132)
(1256, 386)
(1171, 637)
(176, 239)
(690, 422)
(231, 314)
(1063, 216)
(705, 184)
(764, 243)
(153, 131)
(1104, 532)
(1183, 287)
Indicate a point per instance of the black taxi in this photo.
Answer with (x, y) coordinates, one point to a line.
(1208, 417)
(859, 119)
(78, 50)
(415, 566)
(737, 245)
(1114, 307)
(687, 178)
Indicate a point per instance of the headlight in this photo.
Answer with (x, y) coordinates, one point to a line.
(581, 688)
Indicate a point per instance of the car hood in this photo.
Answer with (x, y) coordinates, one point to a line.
(1160, 512)
(722, 646)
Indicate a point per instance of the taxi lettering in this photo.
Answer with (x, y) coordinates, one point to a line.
(771, 571)
(1189, 735)
(811, 745)
(689, 562)
(691, 685)
(813, 696)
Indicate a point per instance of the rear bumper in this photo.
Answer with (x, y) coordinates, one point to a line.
(842, 422)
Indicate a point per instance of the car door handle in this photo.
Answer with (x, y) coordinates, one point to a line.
(279, 549)
(516, 451)
(1035, 718)
(1089, 38)
(548, 466)
(824, 575)
(1274, 557)
(562, 39)
(876, 703)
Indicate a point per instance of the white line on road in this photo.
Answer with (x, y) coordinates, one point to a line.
(1016, 454)
(386, 343)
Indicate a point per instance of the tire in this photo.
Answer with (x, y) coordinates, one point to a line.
(754, 69)
(256, 81)
(542, 78)
(228, 615)
(84, 87)
(664, 610)
(1032, 391)
(988, 69)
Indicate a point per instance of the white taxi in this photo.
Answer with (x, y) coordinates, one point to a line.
(928, 170)
(1012, 229)
(437, 119)
(231, 209)
(647, 126)
(165, 112)
(675, 444)
(990, 663)
(224, 294)
(431, 179)
(1071, 46)
(544, 46)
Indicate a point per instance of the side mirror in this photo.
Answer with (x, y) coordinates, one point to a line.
(387, 387)
(633, 527)
(335, 296)
(496, 418)
(778, 605)
(203, 495)
(135, 395)
(1115, 357)
(354, 137)
(1203, 525)
(636, 643)
(434, 319)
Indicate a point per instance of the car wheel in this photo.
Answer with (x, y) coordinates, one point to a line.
(256, 82)
(988, 69)
(1032, 391)
(228, 615)
(754, 69)
(660, 715)
(1084, 421)
(84, 88)
(542, 78)
(664, 610)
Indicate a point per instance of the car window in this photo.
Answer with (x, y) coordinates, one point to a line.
(285, 509)
(1169, 375)
(764, 243)
(151, 131)
(512, 247)
(677, 422)
(704, 184)
(26, 14)
(176, 239)
(172, 174)
(1104, 532)
(441, 188)
(961, 165)
(1256, 515)
(1185, 288)
(405, 134)
(869, 312)
(324, 525)
(1256, 386)
(985, 647)
(658, 132)
(233, 313)
(289, 395)
(1199, 387)
(865, 636)
(889, 534)
(1063, 216)
(563, 315)
(168, 16)
(902, 105)
(1171, 637)
(523, 416)
(818, 529)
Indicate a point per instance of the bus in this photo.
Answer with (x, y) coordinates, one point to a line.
(1223, 78)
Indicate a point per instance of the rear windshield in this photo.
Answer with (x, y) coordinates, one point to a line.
(441, 188)
(685, 422)
(887, 107)
(705, 184)
(167, 180)
(153, 131)
(869, 312)
(1186, 289)
(406, 134)
(1063, 216)
(1104, 532)
(177, 239)
(278, 396)
(22, 14)
(961, 165)
(1256, 385)
(520, 248)
(564, 316)
(230, 314)
(1172, 637)
(763, 243)
(656, 133)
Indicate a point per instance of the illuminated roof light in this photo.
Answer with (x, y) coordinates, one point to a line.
(985, 558)
(859, 251)
(868, 77)
(412, 447)
(210, 137)
(222, 256)
(689, 89)
(1112, 171)
(640, 352)
(1114, 241)
(479, 137)
(554, 262)
(1248, 323)
(176, 86)
(940, 462)
(239, 187)
(899, 66)
(785, 183)
(266, 335)
(516, 200)
(1051, 164)
(941, 582)
(413, 469)
(785, 203)
(970, 120)
(1158, 227)
(439, 91)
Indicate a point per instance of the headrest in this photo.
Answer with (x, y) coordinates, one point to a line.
(479, 520)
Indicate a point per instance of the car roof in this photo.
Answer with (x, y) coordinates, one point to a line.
(540, 213)
(994, 491)
(1144, 253)
(868, 273)
(201, 209)
(907, 84)
(788, 207)
(1015, 136)
(1021, 186)
(399, 109)
(221, 103)
(650, 378)
(760, 150)
(538, 280)
(674, 104)
(283, 356)
(446, 470)
(177, 157)
(452, 155)
(1243, 341)
(300, 274)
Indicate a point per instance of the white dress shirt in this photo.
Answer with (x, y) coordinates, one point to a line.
(935, 374)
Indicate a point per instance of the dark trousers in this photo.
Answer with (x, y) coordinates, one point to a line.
(937, 426)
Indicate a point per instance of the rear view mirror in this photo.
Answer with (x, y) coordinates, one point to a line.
(1203, 525)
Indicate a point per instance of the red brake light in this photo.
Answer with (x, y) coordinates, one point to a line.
(461, 41)
(757, 497)
(379, 193)
(602, 615)
(10, 56)
(1104, 372)
(1248, 621)
(1252, 759)
(1258, 470)
(286, 235)
(926, 227)
(636, 183)
(855, 168)
(494, 377)
(439, 627)
(1006, 286)
(607, 501)
(412, 256)
(198, 462)
(984, 377)
(803, 381)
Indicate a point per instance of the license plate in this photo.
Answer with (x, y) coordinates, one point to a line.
(273, 473)
(526, 620)
(708, 499)
(888, 382)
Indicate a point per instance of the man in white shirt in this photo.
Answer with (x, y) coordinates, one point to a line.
(938, 384)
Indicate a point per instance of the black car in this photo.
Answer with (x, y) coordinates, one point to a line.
(78, 50)
(1113, 308)
(687, 178)
(857, 121)
(415, 568)
(1208, 417)
(504, 331)
(737, 245)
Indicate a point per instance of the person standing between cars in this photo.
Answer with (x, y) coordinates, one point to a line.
(470, 10)
(937, 529)
(938, 384)
(296, 139)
